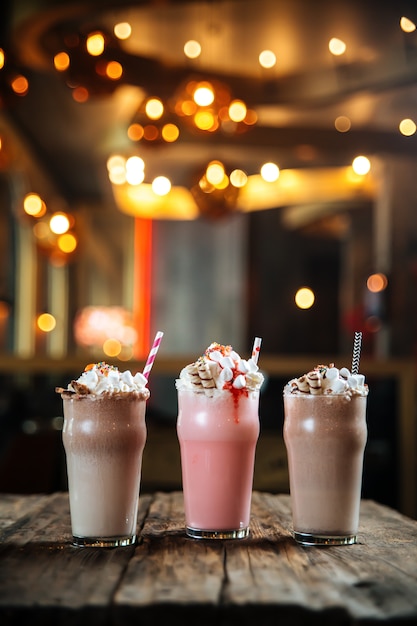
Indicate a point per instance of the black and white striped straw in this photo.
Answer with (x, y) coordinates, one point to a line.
(356, 357)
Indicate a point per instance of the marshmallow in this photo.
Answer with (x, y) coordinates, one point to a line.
(239, 382)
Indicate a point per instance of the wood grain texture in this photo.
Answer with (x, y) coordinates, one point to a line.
(265, 579)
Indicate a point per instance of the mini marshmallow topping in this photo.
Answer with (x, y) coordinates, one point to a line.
(220, 368)
(101, 379)
(328, 380)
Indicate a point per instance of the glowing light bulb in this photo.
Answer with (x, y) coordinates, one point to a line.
(59, 223)
(161, 185)
(192, 49)
(267, 59)
(361, 165)
(270, 172)
(204, 95)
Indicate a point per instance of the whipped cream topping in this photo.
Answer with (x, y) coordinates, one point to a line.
(220, 368)
(328, 380)
(101, 379)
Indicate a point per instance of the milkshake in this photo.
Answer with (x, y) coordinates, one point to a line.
(325, 434)
(104, 436)
(218, 428)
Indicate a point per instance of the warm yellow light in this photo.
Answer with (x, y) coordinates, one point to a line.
(135, 163)
(46, 322)
(161, 185)
(122, 30)
(304, 298)
(59, 223)
(114, 70)
(192, 49)
(67, 243)
(33, 205)
(407, 127)
(61, 61)
(112, 347)
(336, 46)
(223, 183)
(117, 176)
(2, 58)
(204, 95)
(361, 165)
(135, 177)
(170, 133)
(215, 172)
(238, 178)
(267, 59)
(154, 108)
(116, 161)
(342, 124)
(135, 170)
(270, 172)
(95, 44)
(204, 120)
(407, 25)
(20, 85)
(377, 282)
(237, 111)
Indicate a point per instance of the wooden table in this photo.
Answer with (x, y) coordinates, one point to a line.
(263, 580)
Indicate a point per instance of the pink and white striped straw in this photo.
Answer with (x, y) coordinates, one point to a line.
(256, 349)
(152, 354)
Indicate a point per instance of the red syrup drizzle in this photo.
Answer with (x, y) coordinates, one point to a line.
(236, 394)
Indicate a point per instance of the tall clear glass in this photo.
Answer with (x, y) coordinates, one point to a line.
(217, 437)
(325, 438)
(104, 439)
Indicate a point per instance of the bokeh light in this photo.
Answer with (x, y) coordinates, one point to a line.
(46, 322)
(361, 165)
(304, 298)
(377, 282)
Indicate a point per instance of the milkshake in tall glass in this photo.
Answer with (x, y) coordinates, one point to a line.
(325, 434)
(218, 428)
(104, 436)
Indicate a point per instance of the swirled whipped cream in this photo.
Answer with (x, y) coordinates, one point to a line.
(220, 369)
(328, 380)
(101, 379)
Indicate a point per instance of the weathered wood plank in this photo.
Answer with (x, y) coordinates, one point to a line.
(266, 579)
(269, 570)
(41, 572)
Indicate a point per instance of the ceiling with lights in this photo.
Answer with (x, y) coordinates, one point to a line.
(307, 108)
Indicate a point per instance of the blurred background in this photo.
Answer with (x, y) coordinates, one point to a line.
(217, 170)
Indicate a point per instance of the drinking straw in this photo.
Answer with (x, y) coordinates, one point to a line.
(256, 349)
(356, 352)
(152, 353)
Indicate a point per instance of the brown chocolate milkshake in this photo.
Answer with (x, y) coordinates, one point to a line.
(104, 436)
(325, 434)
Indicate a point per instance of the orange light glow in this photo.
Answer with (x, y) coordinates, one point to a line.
(142, 286)
(20, 85)
(377, 282)
(80, 94)
(114, 70)
(61, 61)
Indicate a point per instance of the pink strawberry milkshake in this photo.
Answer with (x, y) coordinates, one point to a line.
(218, 428)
